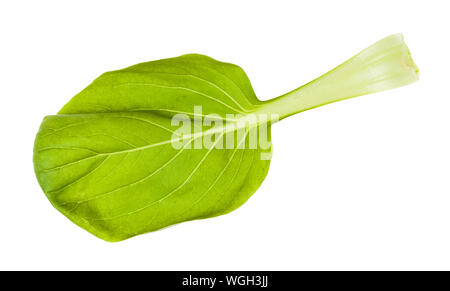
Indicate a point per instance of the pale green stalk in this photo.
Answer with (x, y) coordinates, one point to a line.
(384, 65)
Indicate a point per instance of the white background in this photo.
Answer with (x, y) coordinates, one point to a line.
(360, 184)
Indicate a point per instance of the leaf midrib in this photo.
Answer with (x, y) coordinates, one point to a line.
(234, 126)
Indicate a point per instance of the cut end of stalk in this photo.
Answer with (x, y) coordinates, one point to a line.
(409, 63)
(387, 64)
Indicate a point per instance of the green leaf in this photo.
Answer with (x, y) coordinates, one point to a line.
(108, 162)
